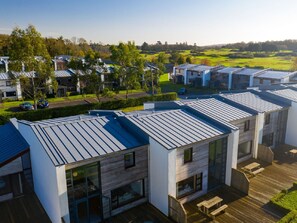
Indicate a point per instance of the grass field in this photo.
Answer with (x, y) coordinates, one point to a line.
(220, 57)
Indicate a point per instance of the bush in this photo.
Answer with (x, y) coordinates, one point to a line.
(82, 109)
(289, 218)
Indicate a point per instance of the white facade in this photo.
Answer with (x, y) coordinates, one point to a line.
(9, 90)
(49, 181)
(291, 131)
(232, 151)
(162, 174)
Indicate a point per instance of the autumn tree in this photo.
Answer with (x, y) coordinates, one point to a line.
(130, 65)
(27, 50)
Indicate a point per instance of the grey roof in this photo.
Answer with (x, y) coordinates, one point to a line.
(218, 109)
(26, 74)
(12, 143)
(228, 70)
(275, 74)
(252, 101)
(248, 71)
(185, 66)
(175, 128)
(4, 76)
(200, 68)
(63, 73)
(74, 139)
(286, 93)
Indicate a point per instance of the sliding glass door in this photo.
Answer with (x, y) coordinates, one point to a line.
(217, 163)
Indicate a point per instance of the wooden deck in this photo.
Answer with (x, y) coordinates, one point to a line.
(25, 209)
(254, 207)
(144, 213)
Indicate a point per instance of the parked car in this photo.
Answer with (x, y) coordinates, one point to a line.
(26, 106)
(182, 91)
(42, 103)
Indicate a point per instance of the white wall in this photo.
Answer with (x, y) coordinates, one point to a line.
(259, 125)
(185, 77)
(230, 81)
(251, 81)
(48, 181)
(149, 105)
(291, 131)
(14, 166)
(205, 78)
(161, 175)
(232, 152)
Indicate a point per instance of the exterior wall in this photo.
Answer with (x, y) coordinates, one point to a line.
(232, 150)
(291, 130)
(4, 88)
(48, 182)
(160, 159)
(240, 81)
(281, 126)
(206, 78)
(272, 126)
(114, 174)
(260, 126)
(198, 165)
(245, 136)
(12, 167)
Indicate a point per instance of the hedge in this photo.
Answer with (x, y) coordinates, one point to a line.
(291, 217)
(83, 109)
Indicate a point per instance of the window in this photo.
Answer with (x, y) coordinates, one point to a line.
(5, 187)
(127, 194)
(8, 83)
(188, 155)
(267, 119)
(247, 125)
(129, 159)
(189, 186)
(244, 149)
(10, 94)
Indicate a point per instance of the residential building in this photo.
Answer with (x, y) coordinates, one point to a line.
(269, 77)
(9, 89)
(222, 78)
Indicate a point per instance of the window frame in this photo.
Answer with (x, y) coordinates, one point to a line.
(8, 83)
(191, 156)
(133, 156)
(198, 185)
(246, 126)
(129, 201)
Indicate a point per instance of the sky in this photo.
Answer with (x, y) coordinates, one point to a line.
(204, 22)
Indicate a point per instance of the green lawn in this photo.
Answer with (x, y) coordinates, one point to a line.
(288, 201)
(130, 109)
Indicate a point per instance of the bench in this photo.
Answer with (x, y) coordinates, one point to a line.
(218, 210)
(258, 171)
(200, 205)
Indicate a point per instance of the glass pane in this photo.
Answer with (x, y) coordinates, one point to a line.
(5, 185)
(79, 182)
(92, 179)
(185, 187)
(129, 160)
(244, 149)
(94, 209)
(188, 155)
(127, 194)
(82, 212)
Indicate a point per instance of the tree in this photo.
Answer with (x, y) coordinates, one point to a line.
(94, 83)
(27, 50)
(189, 59)
(294, 65)
(130, 65)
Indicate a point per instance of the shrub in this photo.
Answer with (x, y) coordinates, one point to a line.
(291, 217)
(82, 109)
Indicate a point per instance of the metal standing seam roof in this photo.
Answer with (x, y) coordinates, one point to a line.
(218, 109)
(247, 71)
(252, 101)
(286, 93)
(4, 76)
(83, 138)
(275, 74)
(200, 68)
(228, 70)
(175, 128)
(186, 66)
(63, 73)
(12, 143)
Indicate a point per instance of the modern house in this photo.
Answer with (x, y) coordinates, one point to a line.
(244, 78)
(269, 77)
(15, 166)
(67, 82)
(189, 154)
(9, 89)
(86, 168)
(272, 115)
(222, 78)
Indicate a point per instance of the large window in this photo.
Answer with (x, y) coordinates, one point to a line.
(188, 155)
(189, 186)
(244, 149)
(5, 185)
(129, 159)
(127, 194)
(10, 94)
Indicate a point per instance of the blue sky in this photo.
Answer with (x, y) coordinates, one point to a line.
(203, 22)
